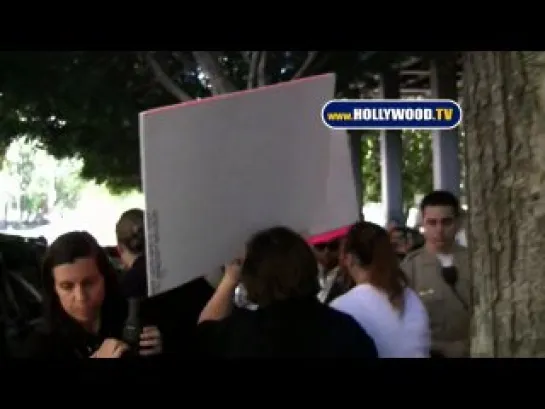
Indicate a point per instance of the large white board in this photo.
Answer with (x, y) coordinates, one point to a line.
(339, 206)
(215, 171)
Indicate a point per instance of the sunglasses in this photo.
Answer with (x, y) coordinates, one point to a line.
(330, 246)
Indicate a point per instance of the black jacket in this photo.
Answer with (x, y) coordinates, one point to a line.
(174, 312)
(302, 328)
(69, 340)
(134, 282)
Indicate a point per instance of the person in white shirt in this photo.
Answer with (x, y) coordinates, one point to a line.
(382, 302)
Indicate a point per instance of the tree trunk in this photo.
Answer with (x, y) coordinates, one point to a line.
(504, 119)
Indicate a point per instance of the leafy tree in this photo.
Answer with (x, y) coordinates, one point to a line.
(38, 181)
(370, 154)
(417, 159)
(87, 102)
(67, 183)
(20, 167)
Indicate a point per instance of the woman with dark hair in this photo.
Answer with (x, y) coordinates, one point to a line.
(382, 302)
(280, 275)
(84, 309)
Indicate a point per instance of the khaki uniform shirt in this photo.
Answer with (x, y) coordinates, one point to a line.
(447, 309)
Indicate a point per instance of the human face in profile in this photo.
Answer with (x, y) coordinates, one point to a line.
(80, 288)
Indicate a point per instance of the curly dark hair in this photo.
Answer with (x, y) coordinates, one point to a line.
(279, 265)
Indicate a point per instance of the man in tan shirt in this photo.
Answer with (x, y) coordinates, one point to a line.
(439, 273)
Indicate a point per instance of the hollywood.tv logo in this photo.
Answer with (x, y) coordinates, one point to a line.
(391, 114)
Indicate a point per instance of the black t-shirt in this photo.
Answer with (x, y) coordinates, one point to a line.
(69, 340)
(134, 282)
(176, 313)
(302, 328)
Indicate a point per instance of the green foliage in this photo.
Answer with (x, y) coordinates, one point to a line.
(370, 154)
(68, 184)
(20, 165)
(37, 181)
(79, 102)
(87, 103)
(417, 159)
(417, 165)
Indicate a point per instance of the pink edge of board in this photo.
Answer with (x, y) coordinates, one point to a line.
(328, 236)
(232, 94)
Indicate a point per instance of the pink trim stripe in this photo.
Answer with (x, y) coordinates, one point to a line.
(232, 94)
(328, 236)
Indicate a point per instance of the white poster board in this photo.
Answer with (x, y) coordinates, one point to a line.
(217, 170)
(339, 206)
